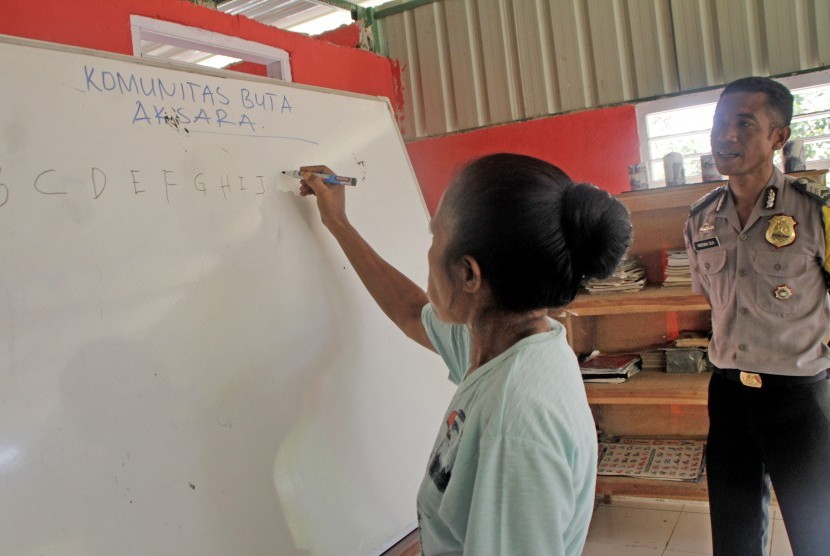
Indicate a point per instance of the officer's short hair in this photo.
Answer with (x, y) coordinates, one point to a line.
(779, 97)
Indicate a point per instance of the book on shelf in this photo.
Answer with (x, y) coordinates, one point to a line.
(610, 367)
(630, 276)
(654, 359)
(664, 459)
(676, 270)
(692, 338)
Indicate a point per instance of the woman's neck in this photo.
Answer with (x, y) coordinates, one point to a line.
(494, 332)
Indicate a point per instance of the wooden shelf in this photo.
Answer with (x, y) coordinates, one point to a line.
(652, 388)
(653, 488)
(678, 196)
(651, 299)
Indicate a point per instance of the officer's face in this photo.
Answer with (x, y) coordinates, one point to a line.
(744, 137)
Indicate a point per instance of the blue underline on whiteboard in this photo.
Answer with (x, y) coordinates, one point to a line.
(256, 136)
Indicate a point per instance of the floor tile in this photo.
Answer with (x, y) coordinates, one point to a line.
(696, 507)
(603, 549)
(632, 527)
(780, 543)
(692, 534)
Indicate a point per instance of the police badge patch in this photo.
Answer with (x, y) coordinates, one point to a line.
(781, 230)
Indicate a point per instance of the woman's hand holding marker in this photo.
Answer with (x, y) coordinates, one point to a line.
(331, 199)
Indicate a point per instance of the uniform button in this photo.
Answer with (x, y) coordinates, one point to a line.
(706, 266)
(744, 311)
(742, 237)
(743, 347)
(777, 266)
(742, 273)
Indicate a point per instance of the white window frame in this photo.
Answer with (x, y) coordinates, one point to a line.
(689, 100)
(275, 60)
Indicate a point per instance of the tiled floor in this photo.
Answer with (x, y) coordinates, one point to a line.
(647, 527)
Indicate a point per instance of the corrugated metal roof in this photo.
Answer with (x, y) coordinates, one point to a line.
(283, 14)
(278, 13)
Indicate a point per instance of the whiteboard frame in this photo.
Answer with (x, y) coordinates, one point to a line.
(204, 70)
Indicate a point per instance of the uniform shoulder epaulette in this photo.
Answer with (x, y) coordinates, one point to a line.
(706, 200)
(815, 191)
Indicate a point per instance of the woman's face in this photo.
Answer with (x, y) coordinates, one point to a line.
(441, 286)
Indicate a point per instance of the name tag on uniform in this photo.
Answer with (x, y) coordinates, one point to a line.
(706, 243)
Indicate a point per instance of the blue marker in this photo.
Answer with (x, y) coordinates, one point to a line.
(329, 179)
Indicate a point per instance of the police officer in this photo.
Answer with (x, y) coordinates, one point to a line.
(759, 253)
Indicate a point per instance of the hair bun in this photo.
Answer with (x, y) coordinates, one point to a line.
(597, 229)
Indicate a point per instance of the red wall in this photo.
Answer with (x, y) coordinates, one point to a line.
(594, 146)
(345, 35)
(105, 25)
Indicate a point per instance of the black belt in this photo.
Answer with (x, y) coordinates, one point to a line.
(761, 380)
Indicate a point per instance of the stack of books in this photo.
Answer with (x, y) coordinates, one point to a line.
(654, 359)
(610, 367)
(685, 354)
(630, 276)
(677, 271)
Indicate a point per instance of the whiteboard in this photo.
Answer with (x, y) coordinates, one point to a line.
(188, 364)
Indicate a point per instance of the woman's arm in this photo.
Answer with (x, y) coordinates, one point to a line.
(397, 296)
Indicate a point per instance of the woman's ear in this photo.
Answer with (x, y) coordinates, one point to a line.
(469, 274)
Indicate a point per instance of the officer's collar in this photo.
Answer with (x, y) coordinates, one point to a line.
(768, 200)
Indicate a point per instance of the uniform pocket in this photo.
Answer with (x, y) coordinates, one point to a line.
(712, 268)
(780, 281)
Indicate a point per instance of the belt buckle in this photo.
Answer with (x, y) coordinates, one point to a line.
(753, 380)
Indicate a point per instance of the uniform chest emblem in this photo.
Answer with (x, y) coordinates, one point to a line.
(769, 198)
(781, 230)
(783, 292)
(706, 228)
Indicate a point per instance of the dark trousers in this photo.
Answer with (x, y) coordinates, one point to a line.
(757, 435)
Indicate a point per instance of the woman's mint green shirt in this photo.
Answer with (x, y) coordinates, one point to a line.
(513, 469)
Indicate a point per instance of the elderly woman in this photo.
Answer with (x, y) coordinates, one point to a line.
(513, 468)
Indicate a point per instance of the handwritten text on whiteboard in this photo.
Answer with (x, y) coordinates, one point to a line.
(189, 103)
